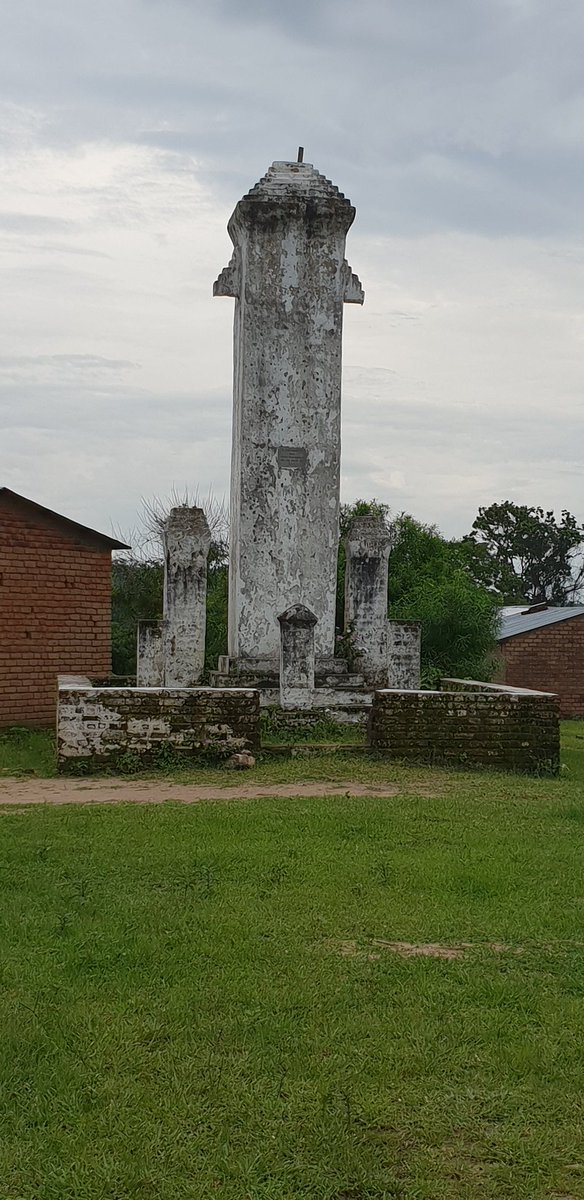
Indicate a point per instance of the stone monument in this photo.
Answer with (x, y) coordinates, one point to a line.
(290, 279)
(171, 652)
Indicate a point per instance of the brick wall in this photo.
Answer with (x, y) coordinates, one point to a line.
(55, 615)
(550, 659)
(97, 726)
(496, 728)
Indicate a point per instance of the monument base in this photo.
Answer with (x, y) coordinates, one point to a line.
(335, 686)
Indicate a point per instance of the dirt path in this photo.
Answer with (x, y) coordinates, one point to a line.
(20, 792)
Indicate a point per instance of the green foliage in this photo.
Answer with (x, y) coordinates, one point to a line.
(216, 637)
(278, 730)
(32, 752)
(428, 582)
(136, 596)
(361, 508)
(137, 588)
(525, 555)
(27, 752)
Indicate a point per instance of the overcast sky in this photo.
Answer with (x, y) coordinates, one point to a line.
(128, 131)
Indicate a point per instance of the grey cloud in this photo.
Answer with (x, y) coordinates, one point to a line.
(34, 223)
(75, 362)
(433, 114)
(299, 19)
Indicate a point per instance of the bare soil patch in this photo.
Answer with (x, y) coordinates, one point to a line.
(372, 952)
(22, 792)
(430, 950)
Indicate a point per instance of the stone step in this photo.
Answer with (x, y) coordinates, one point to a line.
(263, 681)
(243, 681)
(332, 666)
(343, 681)
(324, 698)
(259, 668)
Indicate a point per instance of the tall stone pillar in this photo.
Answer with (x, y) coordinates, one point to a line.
(297, 627)
(404, 652)
(186, 540)
(290, 280)
(366, 575)
(150, 657)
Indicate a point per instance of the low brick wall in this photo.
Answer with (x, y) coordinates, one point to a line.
(470, 724)
(97, 726)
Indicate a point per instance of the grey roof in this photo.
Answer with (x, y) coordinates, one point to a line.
(523, 621)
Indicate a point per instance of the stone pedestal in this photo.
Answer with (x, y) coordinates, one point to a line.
(297, 627)
(186, 540)
(366, 574)
(403, 660)
(290, 280)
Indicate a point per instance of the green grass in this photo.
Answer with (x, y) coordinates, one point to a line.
(573, 749)
(31, 752)
(27, 752)
(193, 1003)
(276, 732)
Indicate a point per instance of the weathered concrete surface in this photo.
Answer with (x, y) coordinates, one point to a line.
(324, 697)
(366, 574)
(297, 629)
(404, 654)
(186, 540)
(290, 279)
(150, 655)
(99, 725)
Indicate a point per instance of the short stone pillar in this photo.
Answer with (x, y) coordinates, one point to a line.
(403, 659)
(366, 574)
(297, 657)
(186, 540)
(150, 659)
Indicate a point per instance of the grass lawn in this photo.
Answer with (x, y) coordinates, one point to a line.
(31, 752)
(222, 999)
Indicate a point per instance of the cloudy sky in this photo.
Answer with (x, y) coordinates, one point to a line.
(128, 131)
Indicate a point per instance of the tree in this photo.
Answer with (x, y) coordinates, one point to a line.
(428, 582)
(138, 580)
(524, 555)
(136, 596)
(137, 587)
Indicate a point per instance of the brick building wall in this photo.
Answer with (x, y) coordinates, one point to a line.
(549, 659)
(55, 611)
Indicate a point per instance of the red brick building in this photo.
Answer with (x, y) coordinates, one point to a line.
(55, 606)
(543, 648)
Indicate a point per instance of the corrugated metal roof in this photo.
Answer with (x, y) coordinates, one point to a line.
(512, 624)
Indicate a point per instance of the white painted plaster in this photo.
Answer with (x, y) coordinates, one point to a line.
(186, 539)
(290, 279)
(404, 654)
(366, 575)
